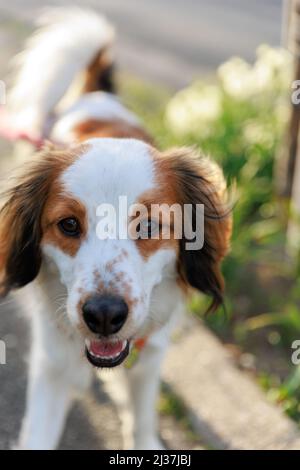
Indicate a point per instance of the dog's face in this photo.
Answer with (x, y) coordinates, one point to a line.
(92, 213)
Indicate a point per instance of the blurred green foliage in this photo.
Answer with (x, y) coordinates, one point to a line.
(239, 118)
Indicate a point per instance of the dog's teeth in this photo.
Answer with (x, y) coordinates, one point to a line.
(88, 343)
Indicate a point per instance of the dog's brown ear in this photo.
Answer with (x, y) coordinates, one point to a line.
(200, 181)
(20, 219)
(20, 232)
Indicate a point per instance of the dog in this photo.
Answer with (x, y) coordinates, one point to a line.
(93, 299)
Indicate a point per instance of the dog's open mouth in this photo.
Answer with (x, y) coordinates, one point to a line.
(102, 353)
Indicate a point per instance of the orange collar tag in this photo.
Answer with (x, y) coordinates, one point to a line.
(140, 343)
(133, 357)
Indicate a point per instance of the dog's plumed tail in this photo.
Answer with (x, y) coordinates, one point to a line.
(68, 43)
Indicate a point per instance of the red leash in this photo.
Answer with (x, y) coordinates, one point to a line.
(8, 132)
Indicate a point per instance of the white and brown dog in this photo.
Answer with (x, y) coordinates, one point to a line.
(91, 298)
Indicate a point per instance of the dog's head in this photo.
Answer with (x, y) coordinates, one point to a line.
(99, 214)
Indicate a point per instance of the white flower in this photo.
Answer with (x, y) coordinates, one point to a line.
(194, 109)
(255, 132)
(271, 71)
(236, 78)
(265, 84)
(278, 62)
(275, 58)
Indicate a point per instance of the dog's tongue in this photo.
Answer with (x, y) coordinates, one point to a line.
(106, 349)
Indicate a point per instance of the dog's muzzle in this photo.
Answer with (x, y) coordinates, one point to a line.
(105, 315)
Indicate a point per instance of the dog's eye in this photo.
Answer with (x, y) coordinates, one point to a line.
(148, 228)
(69, 227)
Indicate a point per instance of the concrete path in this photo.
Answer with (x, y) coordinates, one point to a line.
(226, 407)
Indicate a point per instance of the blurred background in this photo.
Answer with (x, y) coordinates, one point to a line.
(212, 74)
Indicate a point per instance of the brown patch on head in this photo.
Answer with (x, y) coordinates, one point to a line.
(21, 215)
(116, 128)
(183, 176)
(149, 246)
(157, 201)
(60, 206)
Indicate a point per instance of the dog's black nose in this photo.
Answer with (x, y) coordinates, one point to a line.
(105, 314)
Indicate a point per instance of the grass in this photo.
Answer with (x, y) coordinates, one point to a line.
(244, 135)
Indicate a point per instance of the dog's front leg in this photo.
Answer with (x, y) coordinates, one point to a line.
(144, 383)
(57, 374)
(48, 401)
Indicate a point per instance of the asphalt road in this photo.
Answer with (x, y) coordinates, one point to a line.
(167, 41)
